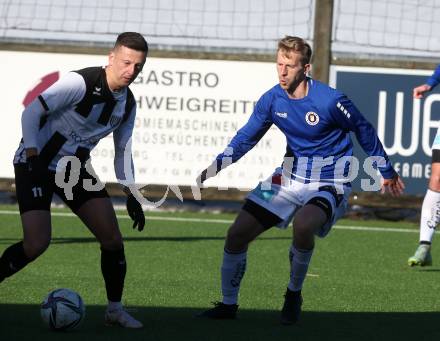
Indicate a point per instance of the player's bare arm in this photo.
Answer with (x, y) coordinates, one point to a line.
(420, 90)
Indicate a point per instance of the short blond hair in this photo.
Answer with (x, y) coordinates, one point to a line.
(298, 45)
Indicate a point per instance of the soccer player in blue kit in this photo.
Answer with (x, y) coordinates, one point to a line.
(68, 119)
(430, 215)
(316, 121)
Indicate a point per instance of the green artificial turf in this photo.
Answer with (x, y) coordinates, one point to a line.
(359, 285)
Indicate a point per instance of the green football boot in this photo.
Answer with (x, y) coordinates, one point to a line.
(422, 256)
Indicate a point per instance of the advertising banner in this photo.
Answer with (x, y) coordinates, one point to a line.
(406, 126)
(188, 110)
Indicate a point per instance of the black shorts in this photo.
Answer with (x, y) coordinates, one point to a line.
(263, 215)
(30, 197)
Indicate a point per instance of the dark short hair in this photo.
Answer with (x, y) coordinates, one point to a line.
(298, 45)
(132, 40)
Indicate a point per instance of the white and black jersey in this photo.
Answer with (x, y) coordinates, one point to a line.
(71, 116)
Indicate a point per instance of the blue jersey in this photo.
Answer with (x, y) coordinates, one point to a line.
(435, 78)
(317, 129)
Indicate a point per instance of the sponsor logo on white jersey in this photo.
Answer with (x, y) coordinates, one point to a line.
(114, 120)
(97, 91)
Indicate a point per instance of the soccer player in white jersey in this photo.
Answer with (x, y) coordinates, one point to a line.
(430, 215)
(69, 119)
(312, 185)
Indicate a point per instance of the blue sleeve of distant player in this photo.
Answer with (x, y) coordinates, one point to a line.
(435, 78)
(349, 117)
(252, 132)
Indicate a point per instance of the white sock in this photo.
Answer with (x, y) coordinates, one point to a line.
(112, 306)
(430, 216)
(233, 269)
(299, 264)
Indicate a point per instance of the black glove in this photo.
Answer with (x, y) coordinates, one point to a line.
(37, 170)
(201, 178)
(135, 212)
(209, 172)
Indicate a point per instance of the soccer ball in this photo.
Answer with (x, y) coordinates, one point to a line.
(62, 309)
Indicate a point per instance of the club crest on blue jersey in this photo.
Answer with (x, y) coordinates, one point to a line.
(312, 118)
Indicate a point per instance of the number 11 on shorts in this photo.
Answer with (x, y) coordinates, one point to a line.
(37, 191)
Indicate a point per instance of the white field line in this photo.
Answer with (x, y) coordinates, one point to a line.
(227, 221)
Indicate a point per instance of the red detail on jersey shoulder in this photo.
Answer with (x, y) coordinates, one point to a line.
(45, 82)
(276, 179)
